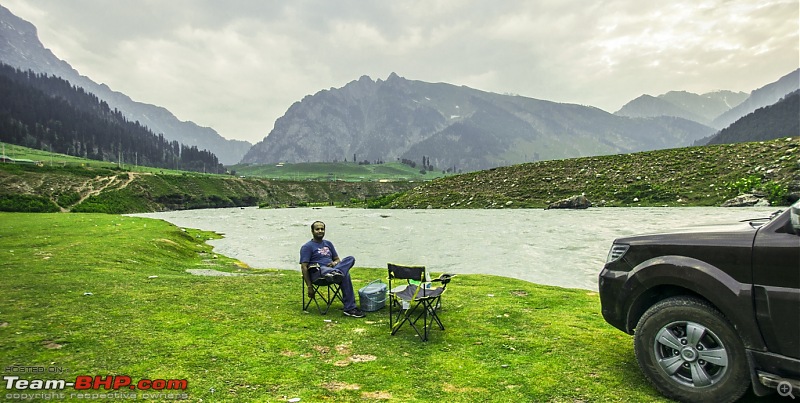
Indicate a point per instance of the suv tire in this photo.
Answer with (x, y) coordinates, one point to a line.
(690, 352)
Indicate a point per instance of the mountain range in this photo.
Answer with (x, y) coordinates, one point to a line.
(781, 119)
(761, 97)
(460, 128)
(701, 108)
(455, 127)
(448, 127)
(20, 47)
(715, 109)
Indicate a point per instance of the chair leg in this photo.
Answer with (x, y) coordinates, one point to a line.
(429, 316)
(305, 306)
(331, 298)
(432, 306)
(396, 312)
(412, 320)
(423, 335)
(391, 314)
(425, 322)
(396, 319)
(402, 316)
(327, 298)
(423, 309)
(322, 297)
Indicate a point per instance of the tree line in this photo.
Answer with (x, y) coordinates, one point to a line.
(426, 164)
(48, 113)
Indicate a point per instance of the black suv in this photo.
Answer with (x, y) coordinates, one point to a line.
(714, 311)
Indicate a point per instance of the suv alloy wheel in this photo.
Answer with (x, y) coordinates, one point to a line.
(690, 352)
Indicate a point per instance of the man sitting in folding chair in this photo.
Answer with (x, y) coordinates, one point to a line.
(321, 267)
(416, 299)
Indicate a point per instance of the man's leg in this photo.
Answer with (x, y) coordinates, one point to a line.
(348, 296)
(345, 265)
(314, 273)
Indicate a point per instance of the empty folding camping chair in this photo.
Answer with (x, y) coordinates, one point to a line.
(414, 298)
(326, 289)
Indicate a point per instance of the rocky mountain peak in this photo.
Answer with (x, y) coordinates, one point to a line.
(453, 128)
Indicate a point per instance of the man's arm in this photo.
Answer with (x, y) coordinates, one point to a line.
(334, 256)
(307, 279)
(305, 258)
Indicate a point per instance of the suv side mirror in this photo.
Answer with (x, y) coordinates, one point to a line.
(794, 214)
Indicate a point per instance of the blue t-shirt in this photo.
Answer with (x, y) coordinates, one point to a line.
(317, 252)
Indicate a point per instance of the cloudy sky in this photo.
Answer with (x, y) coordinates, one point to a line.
(237, 65)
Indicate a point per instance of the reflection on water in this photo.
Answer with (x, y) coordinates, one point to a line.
(564, 248)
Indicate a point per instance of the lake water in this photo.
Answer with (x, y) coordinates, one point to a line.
(565, 248)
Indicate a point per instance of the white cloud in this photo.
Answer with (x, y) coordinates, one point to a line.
(237, 66)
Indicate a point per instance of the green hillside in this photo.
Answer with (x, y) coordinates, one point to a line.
(692, 176)
(335, 171)
(58, 182)
(53, 159)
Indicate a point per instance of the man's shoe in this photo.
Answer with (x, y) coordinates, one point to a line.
(335, 276)
(355, 313)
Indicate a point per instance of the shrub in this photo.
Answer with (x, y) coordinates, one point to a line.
(645, 192)
(383, 201)
(777, 193)
(27, 204)
(114, 202)
(68, 199)
(744, 185)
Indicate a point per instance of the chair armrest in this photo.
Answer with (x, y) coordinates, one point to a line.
(444, 278)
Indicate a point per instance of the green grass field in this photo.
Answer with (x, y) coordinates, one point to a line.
(100, 295)
(324, 171)
(45, 157)
(314, 171)
(55, 159)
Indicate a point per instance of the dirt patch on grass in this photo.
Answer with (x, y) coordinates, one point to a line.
(334, 386)
(457, 389)
(51, 345)
(212, 272)
(363, 358)
(343, 349)
(376, 395)
(356, 358)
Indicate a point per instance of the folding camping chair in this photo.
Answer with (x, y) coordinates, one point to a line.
(326, 289)
(415, 299)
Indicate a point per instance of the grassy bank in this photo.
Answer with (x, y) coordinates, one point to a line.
(692, 176)
(30, 188)
(337, 171)
(96, 294)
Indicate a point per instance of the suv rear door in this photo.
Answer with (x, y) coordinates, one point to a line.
(776, 280)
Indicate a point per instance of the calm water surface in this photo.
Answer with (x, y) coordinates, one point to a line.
(564, 248)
